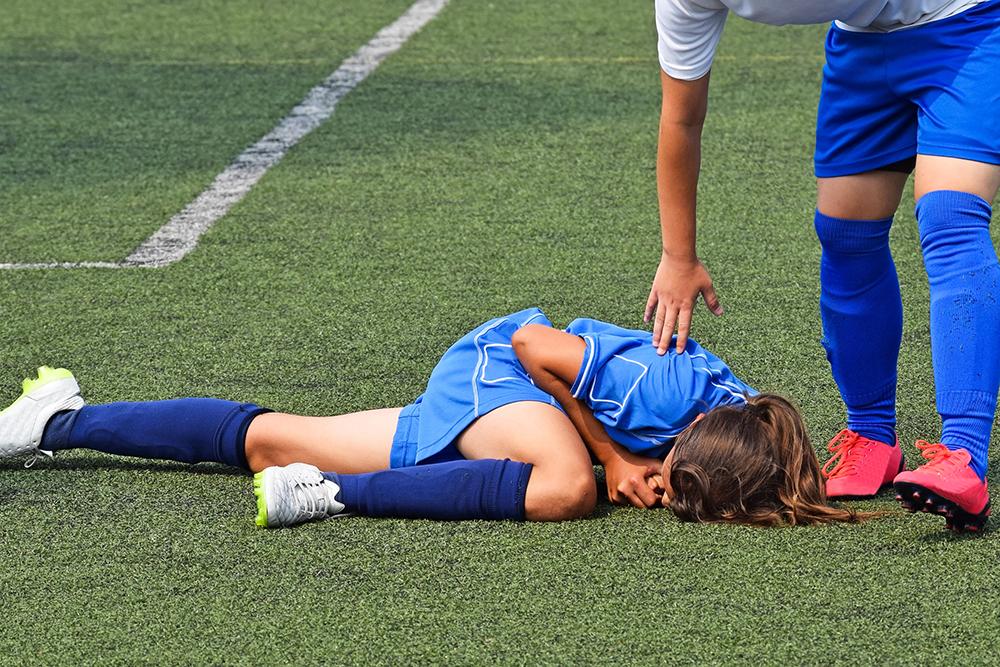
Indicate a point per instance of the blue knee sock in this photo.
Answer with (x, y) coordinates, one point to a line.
(451, 491)
(964, 279)
(191, 430)
(862, 320)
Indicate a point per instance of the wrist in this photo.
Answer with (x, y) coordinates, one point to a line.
(685, 256)
(609, 457)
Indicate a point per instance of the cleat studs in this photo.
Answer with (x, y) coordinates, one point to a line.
(972, 528)
(899, 497)
(916, 495)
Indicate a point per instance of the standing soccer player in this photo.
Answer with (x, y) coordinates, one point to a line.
(908, 84)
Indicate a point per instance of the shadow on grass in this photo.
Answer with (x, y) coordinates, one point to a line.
(948, 536)
(126, 465)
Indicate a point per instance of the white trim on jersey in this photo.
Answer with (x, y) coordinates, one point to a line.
(621, 406)
(713, 375)
(587, 363)
(479, 362)
(486, 363)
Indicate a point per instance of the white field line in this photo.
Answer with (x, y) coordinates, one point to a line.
(181, 233)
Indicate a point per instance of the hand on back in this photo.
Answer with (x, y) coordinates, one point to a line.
(676, 287)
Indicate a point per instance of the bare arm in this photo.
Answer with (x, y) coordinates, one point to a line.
(680, 277)
(553, 358)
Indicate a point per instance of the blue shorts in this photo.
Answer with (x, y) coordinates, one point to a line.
(477, 374)
(932, 90)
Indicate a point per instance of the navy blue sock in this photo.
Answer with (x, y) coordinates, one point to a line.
(191, 430)
(965, 317)
(862, 320)
(451, 491)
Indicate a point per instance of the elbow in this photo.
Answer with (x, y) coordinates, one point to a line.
(523, 340)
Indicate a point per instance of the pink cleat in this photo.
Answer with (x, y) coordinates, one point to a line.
(946, 486)
(860, 467)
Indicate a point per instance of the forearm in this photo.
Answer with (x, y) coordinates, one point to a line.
(591, 431)
(683, 108)
(553, 358)
(677, 166)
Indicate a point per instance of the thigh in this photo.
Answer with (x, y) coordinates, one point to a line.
(526, 431)
(351, 443)
(943, 173)
(870, 196)
(562, 484)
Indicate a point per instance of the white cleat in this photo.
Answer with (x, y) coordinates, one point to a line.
(293, 494)
(23, 423)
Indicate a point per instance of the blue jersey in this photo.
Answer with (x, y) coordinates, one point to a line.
(643, 399)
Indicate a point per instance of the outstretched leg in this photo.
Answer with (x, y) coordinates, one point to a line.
(352, 443)
(196, 430)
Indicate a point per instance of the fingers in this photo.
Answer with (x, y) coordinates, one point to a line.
(655, 483)
(635, 491)
(647, 496)
(650, 305)
(683, 327)
(667, 332)
(661, 310)
(712, 300)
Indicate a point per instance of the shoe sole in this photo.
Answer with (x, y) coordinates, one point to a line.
(261, 486)
(917, 498)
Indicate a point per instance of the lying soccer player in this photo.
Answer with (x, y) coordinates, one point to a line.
(506, 429)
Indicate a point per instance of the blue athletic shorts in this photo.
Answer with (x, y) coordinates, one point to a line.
(477, 374)
(932, 90)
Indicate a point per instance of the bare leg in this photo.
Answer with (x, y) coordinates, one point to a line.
(351, 443)
(870, 196)
(562, 484)
(947, 173)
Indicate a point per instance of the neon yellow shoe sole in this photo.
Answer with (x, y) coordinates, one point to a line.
(46, 374)
(258, 491)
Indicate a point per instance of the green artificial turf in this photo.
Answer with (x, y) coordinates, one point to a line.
(503, 158)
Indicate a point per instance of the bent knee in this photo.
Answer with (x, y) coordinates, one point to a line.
(561, 498)
(260, 447)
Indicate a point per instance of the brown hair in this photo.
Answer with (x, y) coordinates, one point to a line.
(751, 464)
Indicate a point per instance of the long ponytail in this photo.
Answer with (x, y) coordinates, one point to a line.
(751, 465)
